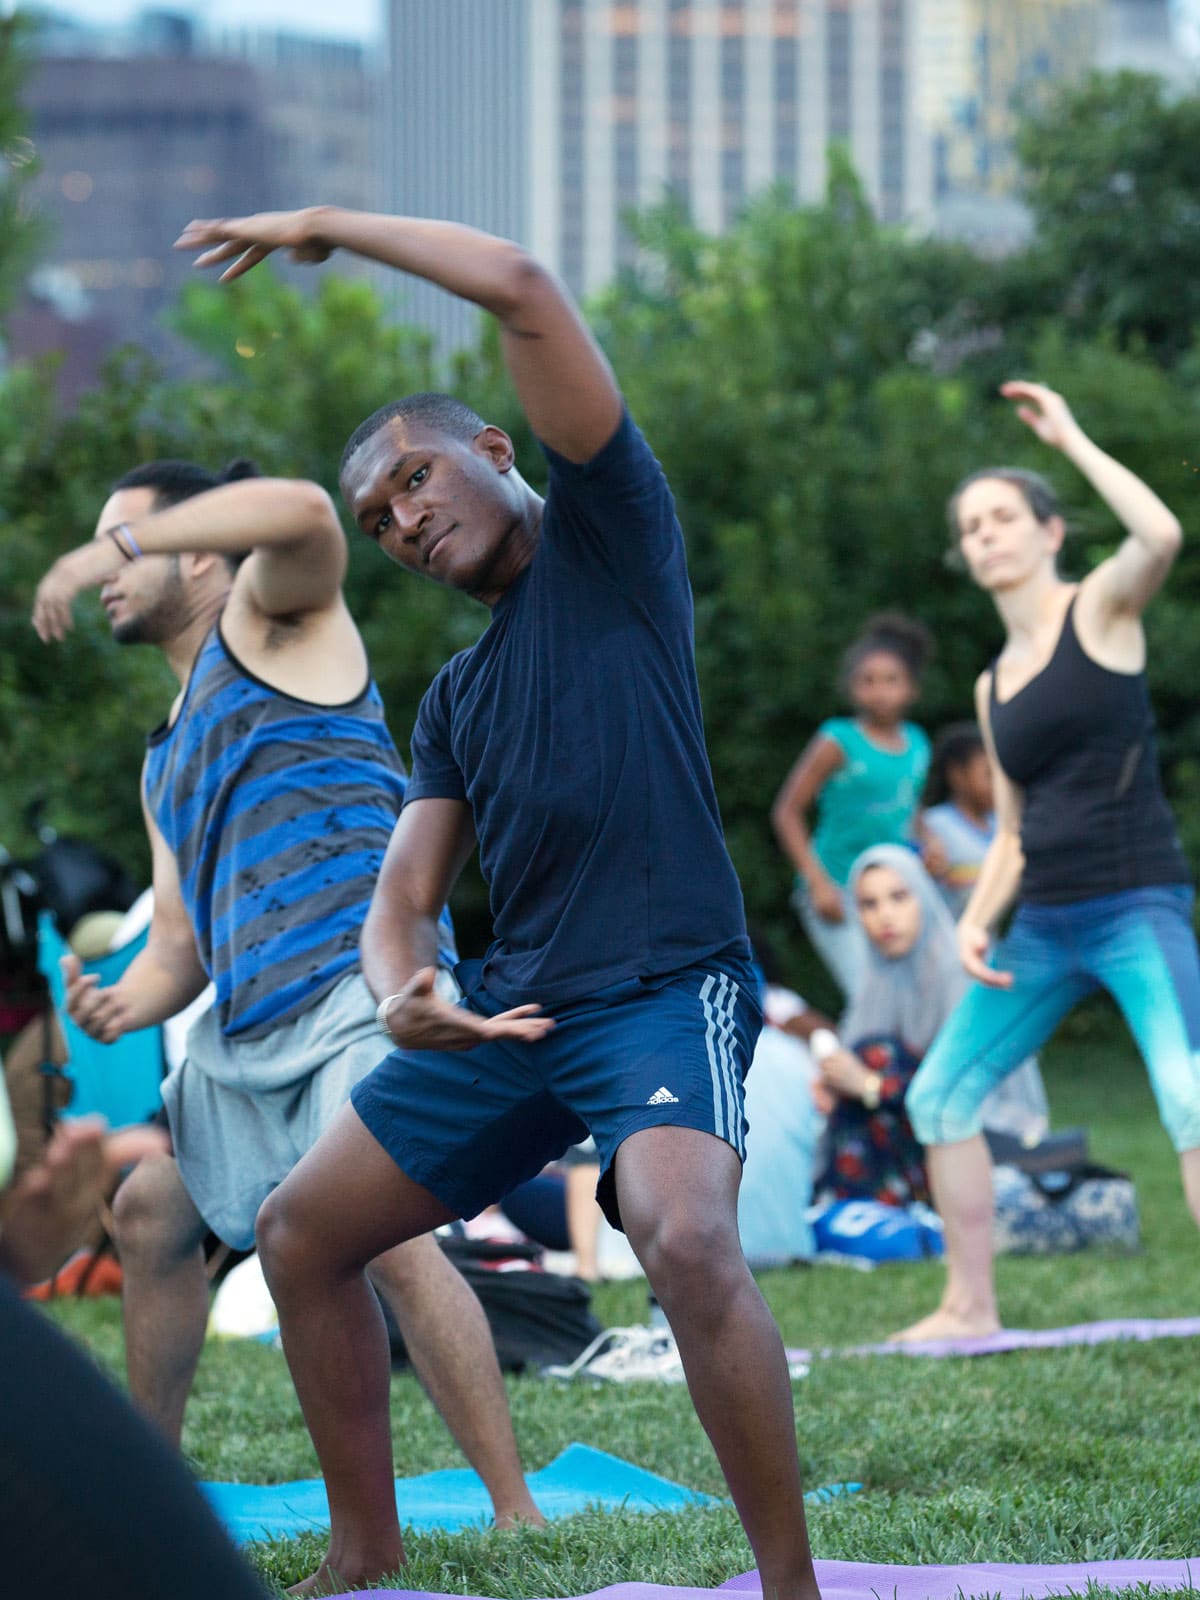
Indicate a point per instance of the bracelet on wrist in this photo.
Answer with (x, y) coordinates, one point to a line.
(115, 535)
(872, 1089)
(381, 1011)
(131, 541)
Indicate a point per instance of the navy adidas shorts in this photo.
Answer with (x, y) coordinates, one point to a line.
(650, 1052)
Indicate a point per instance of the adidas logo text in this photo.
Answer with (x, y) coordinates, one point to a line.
(663, 1097)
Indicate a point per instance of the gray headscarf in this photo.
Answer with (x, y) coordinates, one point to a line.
(906, 997)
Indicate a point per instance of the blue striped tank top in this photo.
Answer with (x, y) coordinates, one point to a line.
(278, 813)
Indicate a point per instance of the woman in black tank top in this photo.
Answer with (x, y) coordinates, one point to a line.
(1085, 842)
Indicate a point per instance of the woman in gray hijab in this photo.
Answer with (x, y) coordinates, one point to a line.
(911, 983)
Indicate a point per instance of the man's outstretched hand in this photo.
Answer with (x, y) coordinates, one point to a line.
(89, 566)
(47, 1212)
(248, 240)
(418, 1019)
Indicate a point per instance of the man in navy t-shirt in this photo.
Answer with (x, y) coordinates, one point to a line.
(617, 997)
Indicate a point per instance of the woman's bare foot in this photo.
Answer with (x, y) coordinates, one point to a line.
(331, 1579)
(947, 1324)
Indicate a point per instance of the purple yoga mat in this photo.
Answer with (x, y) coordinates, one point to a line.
(855, 1580)
(1137, 1329)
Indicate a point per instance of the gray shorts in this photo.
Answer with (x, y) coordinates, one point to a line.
(243, 1112)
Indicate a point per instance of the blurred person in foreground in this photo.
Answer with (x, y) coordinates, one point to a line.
(567, 743)
(269, 795)
(92, 1501)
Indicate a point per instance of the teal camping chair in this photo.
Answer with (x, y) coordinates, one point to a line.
(122, 1081)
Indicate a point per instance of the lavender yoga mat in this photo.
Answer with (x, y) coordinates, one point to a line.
(1137, 1329)
(856, 1580)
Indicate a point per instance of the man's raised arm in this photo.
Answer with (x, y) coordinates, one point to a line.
(561, 376)
(286, 527)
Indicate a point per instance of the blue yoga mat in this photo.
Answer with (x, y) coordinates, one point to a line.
(577, 1479)
(580, 1477)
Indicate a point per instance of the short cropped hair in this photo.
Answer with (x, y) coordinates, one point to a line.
(171, 482)
(440, 412)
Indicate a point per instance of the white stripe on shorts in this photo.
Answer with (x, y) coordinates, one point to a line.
(710, 1033)
(718, 1038)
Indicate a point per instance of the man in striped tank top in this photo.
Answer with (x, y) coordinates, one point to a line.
(270, 793)
(618, 997)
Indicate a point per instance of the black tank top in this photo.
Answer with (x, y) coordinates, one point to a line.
(1079, 740)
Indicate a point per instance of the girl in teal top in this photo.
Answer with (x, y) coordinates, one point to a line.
(864, 774)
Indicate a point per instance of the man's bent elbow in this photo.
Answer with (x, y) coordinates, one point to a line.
(314, 510)
(522, 285)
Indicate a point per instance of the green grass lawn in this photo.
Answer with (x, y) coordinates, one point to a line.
(1043, 1456)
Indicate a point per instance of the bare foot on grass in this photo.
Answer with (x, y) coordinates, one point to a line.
(505, 1520)
(946, 1324)
(331, 1579)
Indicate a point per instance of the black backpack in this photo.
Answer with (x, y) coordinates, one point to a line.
(537, 1318)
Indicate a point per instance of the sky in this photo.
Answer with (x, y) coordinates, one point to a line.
(348, 19)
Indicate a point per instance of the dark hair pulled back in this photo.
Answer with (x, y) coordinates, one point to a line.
(894, 634)
(1037, 492)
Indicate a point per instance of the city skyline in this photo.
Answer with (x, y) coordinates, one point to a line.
(359, 20)
(556, 121)
(363, 20)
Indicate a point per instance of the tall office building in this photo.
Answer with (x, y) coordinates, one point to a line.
(1144, 35)
(127, 155)
(982, 62)
(139, 127)
(319, 107)
(465, 128)
(549, 120)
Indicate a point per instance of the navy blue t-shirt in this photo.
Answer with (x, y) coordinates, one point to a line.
(573, 730)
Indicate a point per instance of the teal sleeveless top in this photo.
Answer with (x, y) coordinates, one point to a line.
(872, 798)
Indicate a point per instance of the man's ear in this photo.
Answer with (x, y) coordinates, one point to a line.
(198, 563)
(497, 446)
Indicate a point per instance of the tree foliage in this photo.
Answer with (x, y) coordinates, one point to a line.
(18, 232)
(1113, 180)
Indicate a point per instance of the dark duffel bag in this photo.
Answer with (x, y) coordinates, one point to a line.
(1052, 1213)
(538, 1319)
(1064, 1151)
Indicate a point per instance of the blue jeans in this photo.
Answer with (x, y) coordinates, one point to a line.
(1139, 945)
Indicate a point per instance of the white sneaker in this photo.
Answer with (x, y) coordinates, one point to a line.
(626, 1355)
